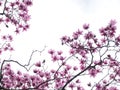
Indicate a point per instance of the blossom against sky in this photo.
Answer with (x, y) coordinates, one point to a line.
(51, 19)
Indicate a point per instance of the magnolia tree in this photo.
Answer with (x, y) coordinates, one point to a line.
(92, 64)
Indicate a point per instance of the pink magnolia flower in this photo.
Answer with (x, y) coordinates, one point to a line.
(98, 87)
(65, 39)
(112, 22)
(72, 85)
(10, 38)
(89, 35)
(38, 64)
(72, 51)
(54, 58)
(68, 67)
(62, 58)
(79, 32)
(4, 37)
(93, 72)
(75, 35)
(85, 26)
(19, 73)
(51, 51)
(17, 31)
(75, 68)
(59, 52)
(82, 67)
(28, 2)
(80, 88)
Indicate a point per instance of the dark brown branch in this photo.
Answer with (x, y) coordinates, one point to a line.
(24, 66)
(32, 55)
(63, 88)
(3, 13)
(62, 64)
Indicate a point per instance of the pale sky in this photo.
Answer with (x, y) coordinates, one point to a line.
(51, 19)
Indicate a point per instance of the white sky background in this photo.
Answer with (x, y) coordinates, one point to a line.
(52, 19)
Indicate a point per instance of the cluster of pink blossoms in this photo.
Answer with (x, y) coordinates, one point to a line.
(85, 46)
(95, 58)
(14, 13)
(91, 57)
